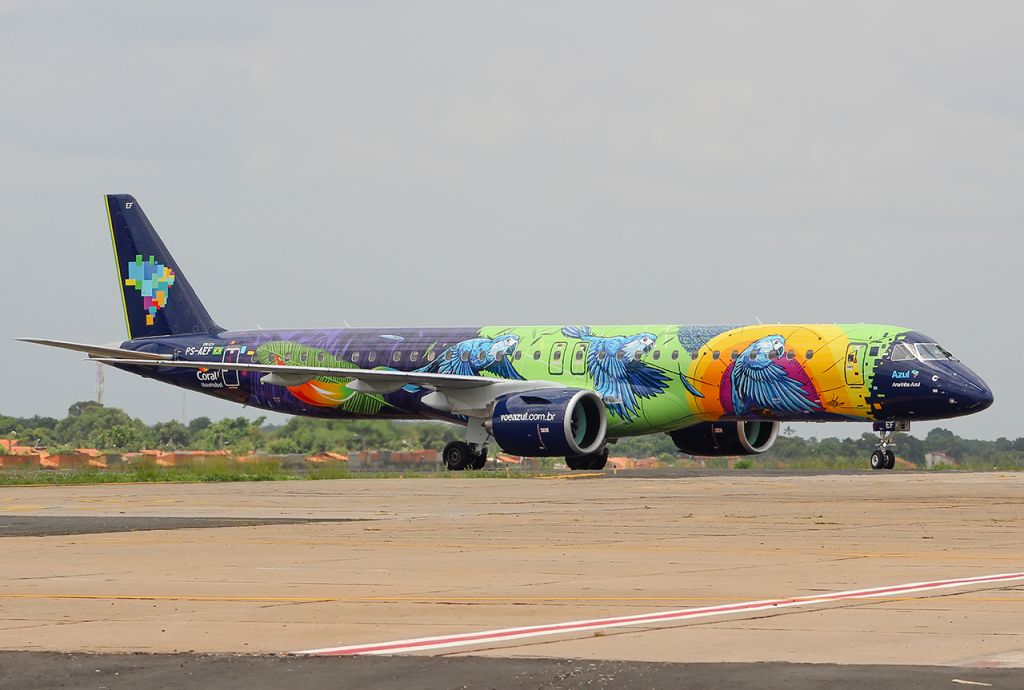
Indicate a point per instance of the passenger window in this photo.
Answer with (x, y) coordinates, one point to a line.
(752, 356)
(465, 356)
(287, 357)
(448, 354)
(304, 357)
(482, 356)
(519, 355)
(695, 354)
(601, 356)
(675, 354)
(809, 354)
(657, 354)
(638, 355)
(396, 357)
(536, 354)
(901, 353)
(579, 355)
(772, 354)
(734, 355)
(716, 354)
(620, 355)
(355, 357)
(557, 355)
(414, 356)
(498, 356)
(320, 356)
(372, 357)
(790, 355)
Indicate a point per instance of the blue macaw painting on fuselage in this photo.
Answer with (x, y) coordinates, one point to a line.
(545, 390)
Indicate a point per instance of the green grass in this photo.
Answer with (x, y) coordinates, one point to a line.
(226, 471)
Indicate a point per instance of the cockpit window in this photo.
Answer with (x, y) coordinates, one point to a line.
(932, 351)
(901, 353)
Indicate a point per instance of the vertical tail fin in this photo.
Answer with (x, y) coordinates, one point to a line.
(156, 296)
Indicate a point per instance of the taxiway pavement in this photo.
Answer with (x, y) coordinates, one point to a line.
(319, 564)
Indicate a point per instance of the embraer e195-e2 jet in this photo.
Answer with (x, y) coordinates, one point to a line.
(567, 390)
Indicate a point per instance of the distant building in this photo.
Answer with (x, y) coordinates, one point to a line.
(939, 458)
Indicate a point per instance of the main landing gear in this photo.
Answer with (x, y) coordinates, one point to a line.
(459, 455)
(883, 458)
(470, 454)
(593, 461)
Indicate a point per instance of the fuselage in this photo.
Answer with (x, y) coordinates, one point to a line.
(651, 377)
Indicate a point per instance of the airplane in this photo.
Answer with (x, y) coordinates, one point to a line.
(567, 390)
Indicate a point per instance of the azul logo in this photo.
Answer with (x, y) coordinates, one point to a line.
(153, 281)
(905, 374)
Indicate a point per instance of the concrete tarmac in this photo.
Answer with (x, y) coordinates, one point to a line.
(379, 560)
(44, 671)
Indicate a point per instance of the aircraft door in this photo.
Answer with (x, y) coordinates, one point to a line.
(230, 376)
(855, 364)
(578, 365)
(556, 362)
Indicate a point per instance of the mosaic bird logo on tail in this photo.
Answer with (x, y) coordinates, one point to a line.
(763, 378)
(614, 364)
(153, 281)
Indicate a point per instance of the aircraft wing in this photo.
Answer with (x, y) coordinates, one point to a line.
(382, 376)
(467, 395)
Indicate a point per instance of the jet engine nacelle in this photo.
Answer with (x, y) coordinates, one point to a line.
(726, 438)
(550, 421)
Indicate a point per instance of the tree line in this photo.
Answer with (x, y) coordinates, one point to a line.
(91, 425)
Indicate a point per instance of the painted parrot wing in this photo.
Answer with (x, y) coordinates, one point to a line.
(503, 368)
(645, 380)
(612, 381)
(768, 387)
(455, 365)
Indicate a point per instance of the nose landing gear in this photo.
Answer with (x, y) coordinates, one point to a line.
(883, 458)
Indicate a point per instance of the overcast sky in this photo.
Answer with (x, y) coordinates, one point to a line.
(447, 163)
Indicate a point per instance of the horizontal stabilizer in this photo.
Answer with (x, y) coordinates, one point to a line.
(96, 351)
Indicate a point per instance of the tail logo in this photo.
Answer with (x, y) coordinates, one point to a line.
(153, 281)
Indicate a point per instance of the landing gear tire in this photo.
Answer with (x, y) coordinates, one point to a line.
(457, 456)
(594, 461)
(479, 459)
(878, 460)
(890, 459)
(576, 463)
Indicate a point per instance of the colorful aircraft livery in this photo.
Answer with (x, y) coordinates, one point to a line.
(568, 389)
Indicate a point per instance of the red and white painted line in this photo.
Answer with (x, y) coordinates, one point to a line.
(490, 636)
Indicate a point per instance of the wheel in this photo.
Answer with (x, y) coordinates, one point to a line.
(890, 459)
(456, 455)
(598, 460)
(578, 462)
(593, 461)
(878, 460)
(478, 460)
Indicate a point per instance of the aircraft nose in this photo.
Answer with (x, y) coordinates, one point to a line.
(976, 395)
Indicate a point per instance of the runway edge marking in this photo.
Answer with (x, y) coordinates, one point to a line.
(486, 636)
